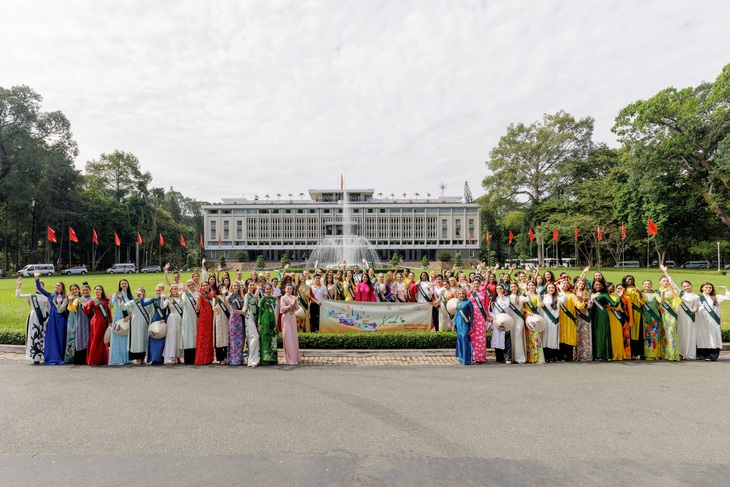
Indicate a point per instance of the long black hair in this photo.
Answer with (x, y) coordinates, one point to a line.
(129, 293)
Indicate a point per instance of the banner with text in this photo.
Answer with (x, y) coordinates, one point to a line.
(357, 316)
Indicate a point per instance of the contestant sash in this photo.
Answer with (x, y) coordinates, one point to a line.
(516, 311)
(142, 310)
(177, 307)
(688, 311)
(652, 314)
(103, 311)
(709, 310)
(619, 316)
(668, 308)
(423, 293)
(37, 308)
(550, 315)
(567, 312)
(479, 304)
(192, 301)
(224, 308)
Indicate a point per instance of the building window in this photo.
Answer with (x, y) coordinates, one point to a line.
(471, 234)
(239, 229)
(212, 229)
(444, 228)
(226, 229)
(457, 227)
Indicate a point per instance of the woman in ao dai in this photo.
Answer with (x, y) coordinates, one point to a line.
(517, 303)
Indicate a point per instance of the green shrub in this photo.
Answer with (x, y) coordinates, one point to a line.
(378, 340)
(726, 334)
(260, 262)
(12, 337)
(443, 256)
(425, 262)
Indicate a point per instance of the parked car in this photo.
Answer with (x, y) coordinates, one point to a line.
(668, 263)
(628, 263)
(150, 268)
(121, 269)
(79, 269)
(44, 269)
(696, 264)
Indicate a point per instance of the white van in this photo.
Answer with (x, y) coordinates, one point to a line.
(628, 263)
(44, 269)
(121, 269)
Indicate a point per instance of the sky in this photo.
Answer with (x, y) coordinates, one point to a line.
(225, 99)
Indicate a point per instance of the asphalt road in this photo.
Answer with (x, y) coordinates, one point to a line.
(559, 424)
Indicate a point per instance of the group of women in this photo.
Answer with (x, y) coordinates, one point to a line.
(199, 322)
(237, 321)
(582, 319)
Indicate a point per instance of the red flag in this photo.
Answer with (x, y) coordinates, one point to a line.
(219, 241)
(139, 238)
(468, 239)
(623, 231)
(201, 240)
(555, 234)
(487, 237)
(51, 235)
(94, 237)
(532, 235)
(182, 240)
(162, 241)
(117, 242)
(510, 236)
(600, 235)
(72, 235)
(342, 182)
(576, 234)
(652, 228)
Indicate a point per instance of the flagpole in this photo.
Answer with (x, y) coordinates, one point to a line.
(69, 251)
(648, 242)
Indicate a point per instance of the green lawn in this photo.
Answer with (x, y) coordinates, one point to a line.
(13, 312)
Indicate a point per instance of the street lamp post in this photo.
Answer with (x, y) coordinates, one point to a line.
(718, 256)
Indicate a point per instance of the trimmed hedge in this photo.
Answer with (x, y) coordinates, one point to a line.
(12, 337)
(377, 340)
(347, 340)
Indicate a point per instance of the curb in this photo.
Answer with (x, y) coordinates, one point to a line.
(321, 352)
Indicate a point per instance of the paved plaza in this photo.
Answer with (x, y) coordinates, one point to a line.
(631, 423)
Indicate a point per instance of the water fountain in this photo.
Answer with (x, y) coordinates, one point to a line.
(348, 247)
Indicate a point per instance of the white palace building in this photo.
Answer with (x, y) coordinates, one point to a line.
(412, 227)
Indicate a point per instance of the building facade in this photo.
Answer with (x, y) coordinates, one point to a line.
(412, 227)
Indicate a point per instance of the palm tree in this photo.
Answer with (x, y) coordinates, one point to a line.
(404, 195)
(416, 195)
(267, 197)
(278, 196)
(301, 195)
(380, 195)
(256, 197)
(290, 195)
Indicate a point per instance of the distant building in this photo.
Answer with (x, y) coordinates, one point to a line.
(412, 227)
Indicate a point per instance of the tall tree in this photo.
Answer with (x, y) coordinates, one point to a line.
(25, 129)
(687, 130)
(119, 174)
(534, 162)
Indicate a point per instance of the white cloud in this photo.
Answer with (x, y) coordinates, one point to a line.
(227, 98)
